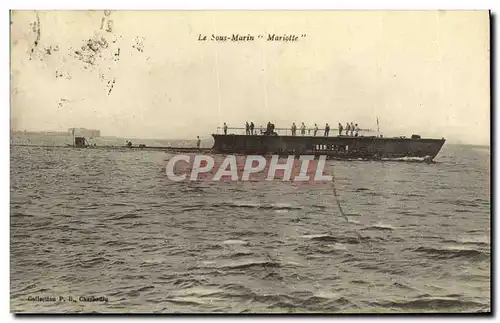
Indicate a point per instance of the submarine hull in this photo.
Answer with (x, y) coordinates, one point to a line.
(339, 147)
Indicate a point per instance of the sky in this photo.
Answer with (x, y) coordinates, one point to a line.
(146, 74)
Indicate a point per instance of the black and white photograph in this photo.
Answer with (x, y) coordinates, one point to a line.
(250, 161)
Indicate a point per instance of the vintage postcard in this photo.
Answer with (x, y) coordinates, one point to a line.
(250, 162)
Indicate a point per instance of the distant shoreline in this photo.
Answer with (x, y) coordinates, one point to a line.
(65, 133)
(43, 133)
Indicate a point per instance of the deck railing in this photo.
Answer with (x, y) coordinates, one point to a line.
(286, 131)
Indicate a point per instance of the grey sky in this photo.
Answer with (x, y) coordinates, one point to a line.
(419, 72)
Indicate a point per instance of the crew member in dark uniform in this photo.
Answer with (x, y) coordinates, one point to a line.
(225, 128)
(327, 129)
(252, 126)
(247, 128)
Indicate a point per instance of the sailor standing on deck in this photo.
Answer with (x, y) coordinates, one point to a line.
(315, 129)
(294, 129)
(303, 129)
(356, 129)
(327, 129)
(247, 128)
(198, 142)
(340, 129)
(347, 128)
(225, 128)
(252, 126)
(352, 129)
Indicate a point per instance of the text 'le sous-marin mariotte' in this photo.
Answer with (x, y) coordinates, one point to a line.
(250, 37)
